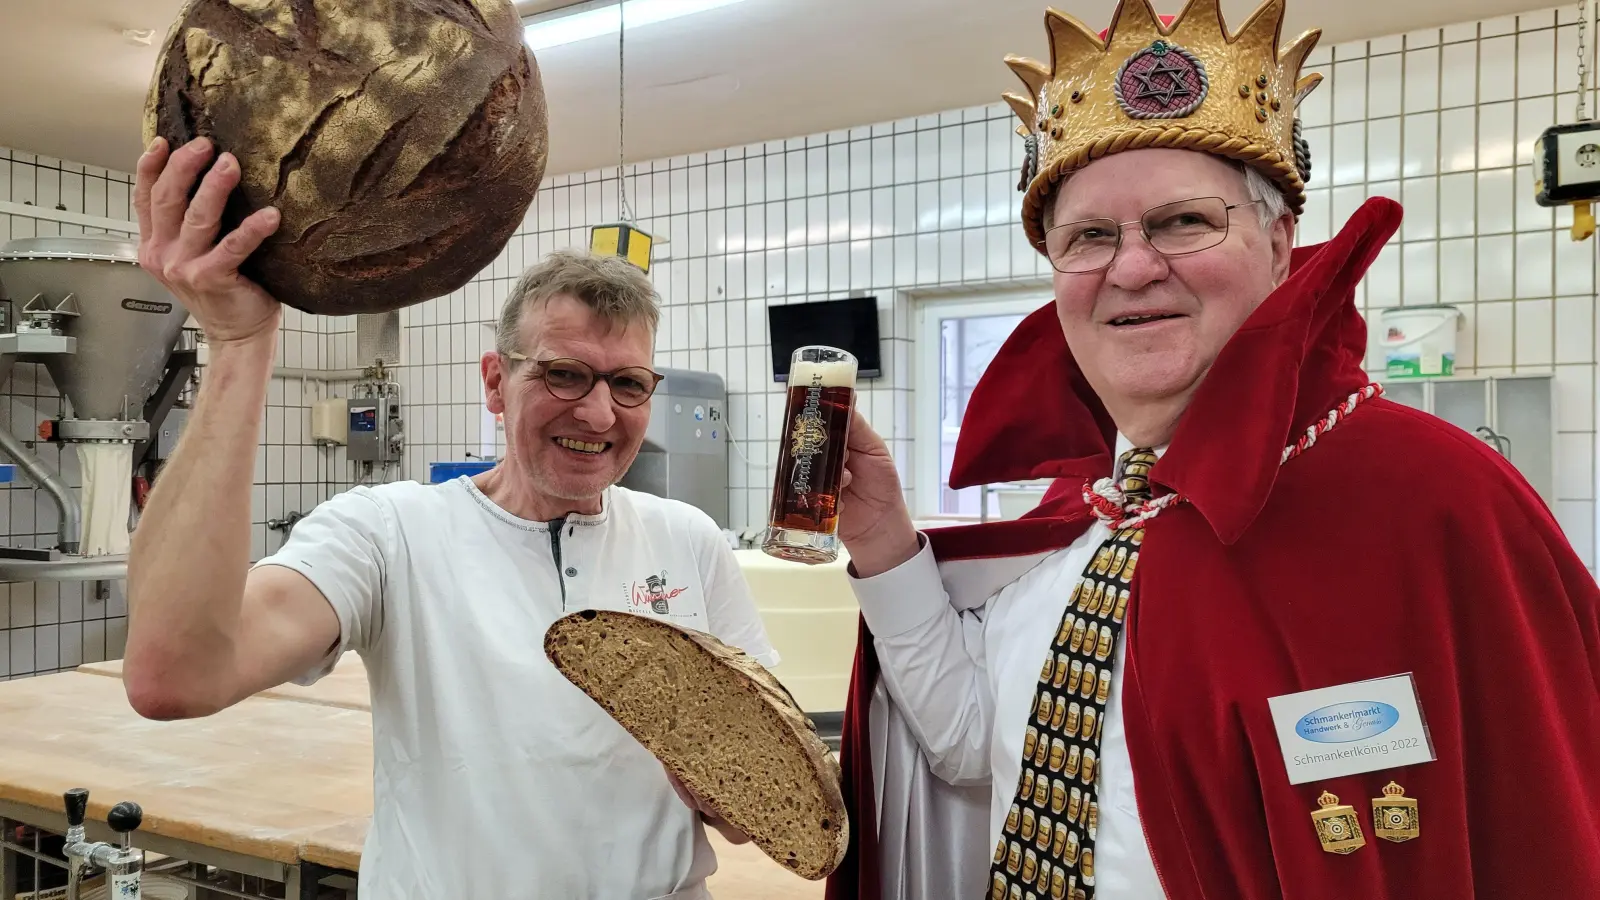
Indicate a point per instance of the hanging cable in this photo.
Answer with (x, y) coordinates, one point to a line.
(1583, 61)
(623, 210)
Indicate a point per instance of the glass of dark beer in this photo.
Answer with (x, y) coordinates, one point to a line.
(816, 425)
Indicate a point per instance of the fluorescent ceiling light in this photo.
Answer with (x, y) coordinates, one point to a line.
(591, 20)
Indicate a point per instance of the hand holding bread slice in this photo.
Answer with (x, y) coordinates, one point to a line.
(719, 722)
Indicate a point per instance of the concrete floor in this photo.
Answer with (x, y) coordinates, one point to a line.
(743, 871)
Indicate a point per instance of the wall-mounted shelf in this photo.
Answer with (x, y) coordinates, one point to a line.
(1515, 413)
(64, 568)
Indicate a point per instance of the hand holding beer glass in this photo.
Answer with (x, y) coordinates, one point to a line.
(804, 519)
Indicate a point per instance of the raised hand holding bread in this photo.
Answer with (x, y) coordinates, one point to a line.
(180, 246)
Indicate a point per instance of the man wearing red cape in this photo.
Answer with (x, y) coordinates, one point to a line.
(1269, 635)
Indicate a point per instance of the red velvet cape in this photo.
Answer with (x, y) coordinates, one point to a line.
(1398, 543)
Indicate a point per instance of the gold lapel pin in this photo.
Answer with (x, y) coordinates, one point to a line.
(1338, 826)
(1394, 815)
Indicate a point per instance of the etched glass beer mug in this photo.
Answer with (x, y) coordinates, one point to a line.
(804, 518)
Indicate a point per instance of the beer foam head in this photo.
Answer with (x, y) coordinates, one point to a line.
(834, 373)
(823, 367)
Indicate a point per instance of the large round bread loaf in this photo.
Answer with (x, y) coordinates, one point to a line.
(402, 140)
(720, 722)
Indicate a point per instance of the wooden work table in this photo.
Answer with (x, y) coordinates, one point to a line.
(338, 847)
(241, 789)
(274, 786)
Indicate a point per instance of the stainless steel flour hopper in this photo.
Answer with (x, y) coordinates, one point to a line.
(122, 323)
(105, 330)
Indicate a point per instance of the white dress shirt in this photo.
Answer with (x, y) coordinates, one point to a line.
(966, 683)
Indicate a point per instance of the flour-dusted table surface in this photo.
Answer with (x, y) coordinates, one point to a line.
(241, 789)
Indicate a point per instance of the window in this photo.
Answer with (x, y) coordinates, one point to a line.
(956, 342)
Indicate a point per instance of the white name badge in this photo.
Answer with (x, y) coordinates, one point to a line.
(1364, 726)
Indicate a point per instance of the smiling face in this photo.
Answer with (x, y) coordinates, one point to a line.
(565, 453)
(1146, 329)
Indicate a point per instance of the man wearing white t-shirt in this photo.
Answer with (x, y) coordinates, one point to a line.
(493, 776)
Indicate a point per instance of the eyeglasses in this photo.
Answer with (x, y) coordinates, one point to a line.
(1172, 229)
(573, 379)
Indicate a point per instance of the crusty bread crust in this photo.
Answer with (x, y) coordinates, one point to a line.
(401, 140)
(720, 722)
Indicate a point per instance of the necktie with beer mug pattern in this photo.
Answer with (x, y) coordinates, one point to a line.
(1046, 846)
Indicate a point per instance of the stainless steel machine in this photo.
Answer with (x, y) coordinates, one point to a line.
(685, 452)
(108, 334)
(374, 432)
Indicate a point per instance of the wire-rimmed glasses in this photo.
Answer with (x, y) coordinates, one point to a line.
(573, 379)
(1172, 229)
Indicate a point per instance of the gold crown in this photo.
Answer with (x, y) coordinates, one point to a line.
(1393, 790)
(1188, 85)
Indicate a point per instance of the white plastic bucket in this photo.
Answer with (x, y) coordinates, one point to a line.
(1420, 341)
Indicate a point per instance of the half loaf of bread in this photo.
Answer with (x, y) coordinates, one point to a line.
(720, 722)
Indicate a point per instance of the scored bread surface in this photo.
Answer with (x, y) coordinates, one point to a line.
(402, 141)
(722, 724)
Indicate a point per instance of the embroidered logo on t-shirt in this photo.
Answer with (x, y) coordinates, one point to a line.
(654, 593)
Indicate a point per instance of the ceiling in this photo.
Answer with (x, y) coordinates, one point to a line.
(73, 86)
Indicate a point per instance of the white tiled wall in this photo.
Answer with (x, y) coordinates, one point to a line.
(1441, 119)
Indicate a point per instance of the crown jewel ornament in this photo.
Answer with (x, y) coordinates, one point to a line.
(1184, 82)
(1394, 815)
(1162, 81)
(1338, 826)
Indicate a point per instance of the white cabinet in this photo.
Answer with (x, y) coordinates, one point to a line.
(1513, 413)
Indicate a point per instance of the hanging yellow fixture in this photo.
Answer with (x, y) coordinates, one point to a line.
(624, 240)
(1567, 172)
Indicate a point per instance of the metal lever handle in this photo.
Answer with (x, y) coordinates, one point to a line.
(77, 803)
(76, 849)
(123, 865)
(1500, 442)
(125, 818)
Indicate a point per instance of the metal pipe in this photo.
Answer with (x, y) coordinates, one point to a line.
(71, 528)
(320, 374)
(527, 8)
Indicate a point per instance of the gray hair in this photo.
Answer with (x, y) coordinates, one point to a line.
(1269, 200)
(1272, 205)
(617, 290)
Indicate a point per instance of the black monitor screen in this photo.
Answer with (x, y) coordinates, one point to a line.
(850, 325)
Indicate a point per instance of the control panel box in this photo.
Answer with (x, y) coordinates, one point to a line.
(372, 426)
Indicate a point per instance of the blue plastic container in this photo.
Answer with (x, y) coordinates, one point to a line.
(8, 474)
(440, 472)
